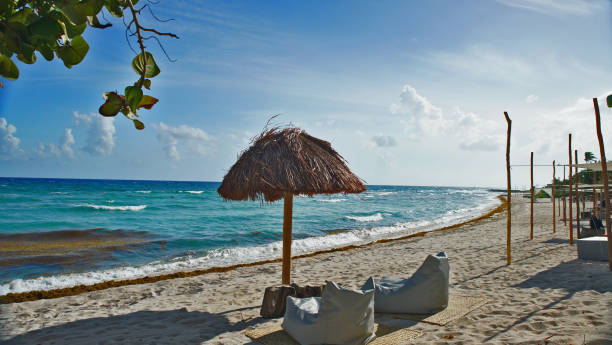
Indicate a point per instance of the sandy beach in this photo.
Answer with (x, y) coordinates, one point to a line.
(547, 295)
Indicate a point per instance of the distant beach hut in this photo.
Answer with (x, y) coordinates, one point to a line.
(281, 163)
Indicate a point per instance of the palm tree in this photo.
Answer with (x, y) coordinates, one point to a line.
(589, 157)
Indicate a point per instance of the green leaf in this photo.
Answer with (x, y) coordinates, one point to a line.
(147, 102)
(74, 53)
(24, 16)
(46, 28)
(45, 51)
(139, 63)
(133, 96)
(78, 13)
(609, 101)
(8, 69)
(27, 54)
(95, 23)
(6, 7)
(113, 7)
(70, 29)
(113, 104)
(147, 84)
(139, 125)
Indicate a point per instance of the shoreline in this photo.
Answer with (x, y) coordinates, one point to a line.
(82, 288)
(546, 296)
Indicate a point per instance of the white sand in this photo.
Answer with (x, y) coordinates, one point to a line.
(546, 296)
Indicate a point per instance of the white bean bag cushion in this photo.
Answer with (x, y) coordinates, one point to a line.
(339, 316)
(425, 292)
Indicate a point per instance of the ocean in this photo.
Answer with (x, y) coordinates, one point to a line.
(57, 233)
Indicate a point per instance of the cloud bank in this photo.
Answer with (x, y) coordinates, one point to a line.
(191, 138)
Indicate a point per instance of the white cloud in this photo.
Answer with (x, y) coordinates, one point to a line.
(476, 133)
(66, 143)
(419, 115)
(548, 132)
(9, 143)
(384, 141)
(65, 147)
(81, 119)
(531, 99)
(554, 7)
(101, 135)
(194, 139)
(422, 118)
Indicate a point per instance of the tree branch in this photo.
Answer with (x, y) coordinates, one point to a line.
(140, 43)
(159, 33)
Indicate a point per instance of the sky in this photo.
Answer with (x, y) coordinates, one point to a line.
(408, 92)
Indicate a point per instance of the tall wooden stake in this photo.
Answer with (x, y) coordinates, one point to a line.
(564, 204)
(287, 222)
(559, 205)
(509, 222)
(569, 204)
(553, 200)
(564, 210)
(595, 202)
(531, 206)
(604, 173)
(577, 177)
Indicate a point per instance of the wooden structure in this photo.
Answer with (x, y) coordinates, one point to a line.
(508, 200)
(571, 221)
(282, 163)
(604, 168)
(531, 203)
(578, 215)
(553, 200)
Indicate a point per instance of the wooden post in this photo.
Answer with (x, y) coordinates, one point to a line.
(287, 222)
(559, 205)
(531, 205)
(553, 200)
(508, 222)
(577, 177)
(569, 204)
(604, 173)
(564, 205)
(595, 207)
(564, 210)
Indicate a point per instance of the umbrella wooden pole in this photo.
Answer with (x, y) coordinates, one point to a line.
(553, 200)
(569, 204)
(531, 205)
(287, 222)
(508, 224)
(604, 170)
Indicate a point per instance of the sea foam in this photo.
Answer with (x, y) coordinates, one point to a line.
(113, 208)
(372, 218)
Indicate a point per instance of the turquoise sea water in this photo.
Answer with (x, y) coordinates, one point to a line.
(62, 232)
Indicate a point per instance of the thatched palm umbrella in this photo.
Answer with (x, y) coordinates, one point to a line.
(285, 162)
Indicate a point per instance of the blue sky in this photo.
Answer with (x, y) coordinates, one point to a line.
(409, 92)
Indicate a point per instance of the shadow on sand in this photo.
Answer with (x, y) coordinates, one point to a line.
(143, 327)
(572, 276)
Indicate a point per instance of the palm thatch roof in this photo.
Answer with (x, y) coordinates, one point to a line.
(288, 160)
